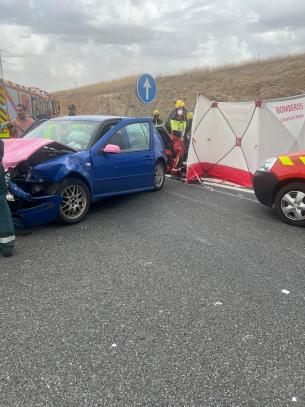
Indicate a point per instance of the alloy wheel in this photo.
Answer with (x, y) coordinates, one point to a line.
(159, 175)
(74, 202)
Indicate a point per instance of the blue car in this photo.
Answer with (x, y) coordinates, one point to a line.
(63, 165)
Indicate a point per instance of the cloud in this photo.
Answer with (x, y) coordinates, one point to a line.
(55, 44)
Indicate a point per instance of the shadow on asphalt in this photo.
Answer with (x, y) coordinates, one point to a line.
(96, 209)
(114, 202)
(102, 207)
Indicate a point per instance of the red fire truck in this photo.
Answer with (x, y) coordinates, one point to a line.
(38, 104)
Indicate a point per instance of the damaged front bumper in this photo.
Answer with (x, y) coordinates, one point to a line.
(28, 210)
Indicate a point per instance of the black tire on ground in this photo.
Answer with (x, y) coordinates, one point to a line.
(76, 200)
(290, 203)
(159, 175)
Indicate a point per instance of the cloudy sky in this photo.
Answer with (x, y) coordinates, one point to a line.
(60, 44)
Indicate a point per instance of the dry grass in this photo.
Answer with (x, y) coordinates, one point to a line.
(256, 80)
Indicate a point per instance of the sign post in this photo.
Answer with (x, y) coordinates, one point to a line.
(146, 88)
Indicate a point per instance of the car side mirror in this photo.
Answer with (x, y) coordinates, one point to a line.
(111, 149)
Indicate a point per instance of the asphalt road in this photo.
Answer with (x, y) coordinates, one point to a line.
(157, 299)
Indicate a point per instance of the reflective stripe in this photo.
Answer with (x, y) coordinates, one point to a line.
(3, 108)
(8, 239)
(4, 133)
(302, 159)
(3, 115)
(286, 160)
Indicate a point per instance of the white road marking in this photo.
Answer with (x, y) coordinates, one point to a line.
(298, 253)
(220, 184)
(184, 197)
(237, 196)
(203, 241)
(213, 190)
(202, 186)
(216, 184)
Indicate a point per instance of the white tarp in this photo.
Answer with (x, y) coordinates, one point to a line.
(230, 141)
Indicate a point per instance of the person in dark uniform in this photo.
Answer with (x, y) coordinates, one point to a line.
(71, 109)
(157, 121)
(7, 234)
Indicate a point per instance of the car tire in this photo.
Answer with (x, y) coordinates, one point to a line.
(159, 175)
(76, 201)
(290, 204)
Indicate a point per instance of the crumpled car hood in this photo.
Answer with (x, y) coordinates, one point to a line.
(19, 156)
(18, 150)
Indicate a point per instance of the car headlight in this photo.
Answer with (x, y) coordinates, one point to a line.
(7, 177)
(268, 164)
(10, 197)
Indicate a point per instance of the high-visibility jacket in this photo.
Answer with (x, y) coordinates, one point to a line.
(179, 122)
(49, 132)
(178, 125)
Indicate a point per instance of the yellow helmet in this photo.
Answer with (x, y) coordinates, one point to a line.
(179, 103)
(156, 112)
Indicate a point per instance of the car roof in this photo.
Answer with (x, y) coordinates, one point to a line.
(98, 118)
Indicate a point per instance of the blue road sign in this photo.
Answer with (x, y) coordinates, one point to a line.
(146, 88)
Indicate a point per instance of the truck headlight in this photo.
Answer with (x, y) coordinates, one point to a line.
(268, 164)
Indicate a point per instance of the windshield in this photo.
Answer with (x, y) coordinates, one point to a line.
(76, 134)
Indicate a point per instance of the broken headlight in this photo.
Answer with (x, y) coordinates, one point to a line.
(10, 197)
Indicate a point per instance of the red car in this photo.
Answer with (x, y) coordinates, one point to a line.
(281, 182)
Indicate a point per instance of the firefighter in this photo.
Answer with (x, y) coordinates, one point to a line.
(180, 118)
(178, 150)
(177, 125)
(7, 234)
(157, 121)
(19, 125)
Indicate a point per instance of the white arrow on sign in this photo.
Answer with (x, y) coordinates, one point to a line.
(147, 86)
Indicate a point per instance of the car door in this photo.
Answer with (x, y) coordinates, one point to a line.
(130, 170)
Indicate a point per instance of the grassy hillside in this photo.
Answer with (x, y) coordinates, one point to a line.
(273, 78)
